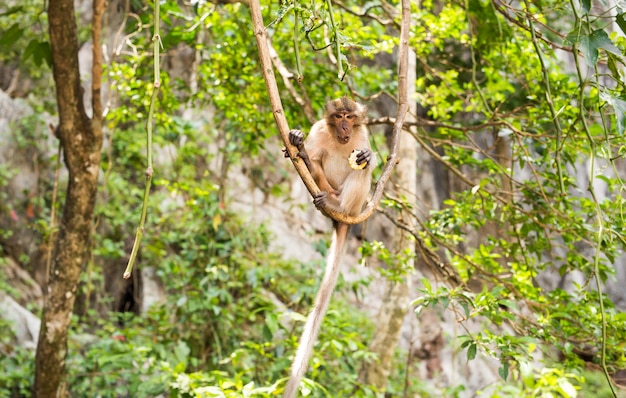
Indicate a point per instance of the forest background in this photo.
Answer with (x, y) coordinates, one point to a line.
(493, 266)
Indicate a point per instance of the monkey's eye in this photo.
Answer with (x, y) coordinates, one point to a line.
(350, 116)
(338, 115)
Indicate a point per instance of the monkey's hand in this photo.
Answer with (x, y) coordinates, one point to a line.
(296, 138)
(364, 156)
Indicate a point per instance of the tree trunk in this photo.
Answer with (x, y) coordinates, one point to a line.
(81, 140)
(395, 303)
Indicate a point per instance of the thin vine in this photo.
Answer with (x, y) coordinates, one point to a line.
(156, 39)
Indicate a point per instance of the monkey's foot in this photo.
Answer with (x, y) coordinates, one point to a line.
(324, 200)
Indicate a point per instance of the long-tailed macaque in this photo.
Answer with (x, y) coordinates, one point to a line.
(344, 188)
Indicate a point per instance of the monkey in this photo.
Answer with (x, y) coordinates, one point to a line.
(343, 189)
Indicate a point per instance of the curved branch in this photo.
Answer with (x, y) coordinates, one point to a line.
(260, 34)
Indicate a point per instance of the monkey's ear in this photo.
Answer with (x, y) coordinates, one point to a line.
(362, 113)
(362, 109)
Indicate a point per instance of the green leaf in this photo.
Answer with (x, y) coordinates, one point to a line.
(272, 322)
(590, 53)
(503, 371)
(620, 19)
(602, 40)
(427, 285)
(566, 388)
(445, 301)
(471, 352)
(508, 303)
(29, 50)
(586, 4)
(465, 307)
(467, 341)
(620, 110)
(10, 36)
(181, 353)
(418, 310)
(612, 64)
(590, 44)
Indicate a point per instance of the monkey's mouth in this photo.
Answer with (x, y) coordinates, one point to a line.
(343, 140)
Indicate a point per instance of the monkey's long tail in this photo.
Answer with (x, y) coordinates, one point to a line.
(314, 321)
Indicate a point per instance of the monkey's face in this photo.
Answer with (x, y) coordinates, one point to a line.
(343, 123)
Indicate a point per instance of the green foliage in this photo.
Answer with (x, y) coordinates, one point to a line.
(16, 363)
(547, 382)
(218, 331)
(6, 174)
(24, 44)
(491, 86)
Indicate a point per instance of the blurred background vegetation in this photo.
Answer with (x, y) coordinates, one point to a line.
(515, 227)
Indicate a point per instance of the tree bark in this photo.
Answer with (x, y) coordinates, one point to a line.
(81, 141)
